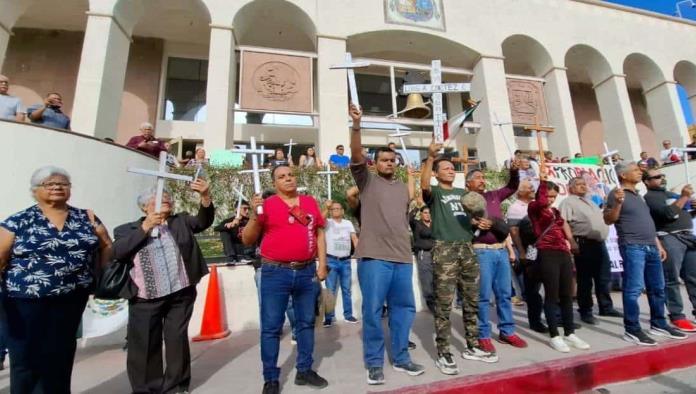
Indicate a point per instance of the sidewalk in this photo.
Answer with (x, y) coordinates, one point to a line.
(233, 364)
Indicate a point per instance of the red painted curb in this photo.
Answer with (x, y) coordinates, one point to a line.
(573, 374)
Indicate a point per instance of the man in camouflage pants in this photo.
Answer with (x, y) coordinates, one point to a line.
(454, 262)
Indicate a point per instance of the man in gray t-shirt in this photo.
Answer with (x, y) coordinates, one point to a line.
(10, 106)
(642, 255)
(385, 269)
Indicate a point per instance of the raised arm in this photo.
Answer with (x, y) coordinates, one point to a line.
(612, 211)
(252, 231)
(206, 212)
(356, 155)
(427, 167)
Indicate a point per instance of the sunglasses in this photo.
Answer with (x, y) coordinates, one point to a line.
(656, 177)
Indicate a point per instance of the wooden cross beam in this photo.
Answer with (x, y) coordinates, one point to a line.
(162, 174)
(289, 145)
(464, 159)
(540, 143)
(436, 88)
(350, 66)
(255, 170)
(328, 174)
(609, 155)
(401, 134)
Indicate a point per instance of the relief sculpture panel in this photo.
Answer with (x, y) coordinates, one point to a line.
(276, 83)
(527, 102)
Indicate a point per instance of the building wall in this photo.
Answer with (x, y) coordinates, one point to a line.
(141, 90)
(587, 118)
(42, 61)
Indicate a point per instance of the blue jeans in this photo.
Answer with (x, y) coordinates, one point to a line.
(642, 269)
(278, 284)
(290, 312)
(495, 276)
(382, 281)
(340, 272)
(681, 262)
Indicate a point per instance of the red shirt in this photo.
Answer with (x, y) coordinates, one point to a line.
(541, 217)
(285, 239)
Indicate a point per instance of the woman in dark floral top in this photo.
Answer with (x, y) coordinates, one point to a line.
(47, 253)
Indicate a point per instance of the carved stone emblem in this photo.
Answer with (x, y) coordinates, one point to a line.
(527, 102)
(276, 81)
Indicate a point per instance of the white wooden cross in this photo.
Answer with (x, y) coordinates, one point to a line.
(350, 66)
(240, 198)
(401, 135)
(686, 151)
(436, 88)
(609, 155)
(255, 170)
(289, 145)
(328, 174)
(502, 133)
(161, 175)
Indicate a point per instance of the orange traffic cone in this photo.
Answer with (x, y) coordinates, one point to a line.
(214, 324)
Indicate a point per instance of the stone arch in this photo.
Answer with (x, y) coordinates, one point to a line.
(586, 68)
(288, 26)
(412, 46)
(405, 47)
(642, 72)
(643, 78)
(525, 55)
(685, 75)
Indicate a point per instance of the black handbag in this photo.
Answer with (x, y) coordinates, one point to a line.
(112, 281)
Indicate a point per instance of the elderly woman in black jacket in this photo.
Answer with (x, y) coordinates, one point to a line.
(162, 289)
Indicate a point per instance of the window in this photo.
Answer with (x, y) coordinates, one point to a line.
(185, 90)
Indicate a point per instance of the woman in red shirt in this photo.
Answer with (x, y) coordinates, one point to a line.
(293, 237)
(554, 264)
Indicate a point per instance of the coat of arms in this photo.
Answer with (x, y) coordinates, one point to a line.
(423, 13)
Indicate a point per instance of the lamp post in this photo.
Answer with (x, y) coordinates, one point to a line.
(691, 3)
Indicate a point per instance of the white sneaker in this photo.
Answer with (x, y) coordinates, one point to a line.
(446, 364)
(475, 353)
(559, 344)
(576, 342)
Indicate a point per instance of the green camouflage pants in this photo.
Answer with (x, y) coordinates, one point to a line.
(455, 267)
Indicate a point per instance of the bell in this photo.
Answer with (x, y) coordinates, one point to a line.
(415, 107)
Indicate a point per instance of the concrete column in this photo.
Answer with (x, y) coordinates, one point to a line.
(5, 35)
(333, 96)
(489, 84)
(221, 88)
(564, 141)
(667, 114)
(99, 87)
(620, 131)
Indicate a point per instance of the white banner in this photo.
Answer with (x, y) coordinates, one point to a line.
(599, 182)
(103, 317)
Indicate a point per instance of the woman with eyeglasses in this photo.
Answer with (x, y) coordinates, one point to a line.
(48, 253)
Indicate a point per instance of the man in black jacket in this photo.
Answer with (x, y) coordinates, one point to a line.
(230, 231)
(674, 228)
(422, 246)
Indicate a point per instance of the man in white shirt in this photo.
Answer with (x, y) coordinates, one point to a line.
(669, 155)
(340, 235)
